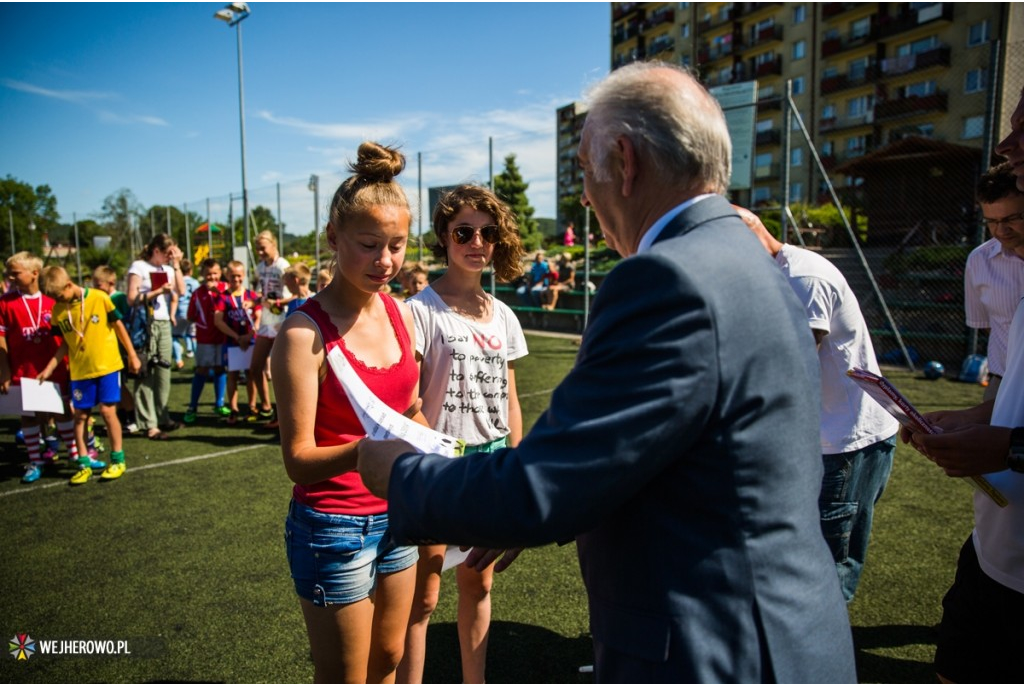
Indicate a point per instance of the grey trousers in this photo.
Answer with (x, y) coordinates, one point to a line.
(153, 392)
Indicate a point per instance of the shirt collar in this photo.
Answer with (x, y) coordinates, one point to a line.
(658, 226)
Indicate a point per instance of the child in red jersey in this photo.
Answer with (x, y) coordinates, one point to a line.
(202, 310)
(27, 343)
(238, 318)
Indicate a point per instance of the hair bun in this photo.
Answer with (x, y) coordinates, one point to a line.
(377, 163)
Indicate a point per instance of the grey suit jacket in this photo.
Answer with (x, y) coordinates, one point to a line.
(682, 454)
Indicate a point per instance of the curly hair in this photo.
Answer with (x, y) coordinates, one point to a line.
(508, 251)
(161, 241)
(996, 183)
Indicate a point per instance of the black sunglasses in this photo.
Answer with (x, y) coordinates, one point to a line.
(463, 233)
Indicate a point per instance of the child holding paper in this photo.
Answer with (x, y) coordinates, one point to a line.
(202, 310)
(91, 329)
(27, 343)
(238, 318)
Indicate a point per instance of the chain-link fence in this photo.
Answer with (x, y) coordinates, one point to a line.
(911, 219)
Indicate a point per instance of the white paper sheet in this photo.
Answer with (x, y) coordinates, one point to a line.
(238, 360)
(44, 397)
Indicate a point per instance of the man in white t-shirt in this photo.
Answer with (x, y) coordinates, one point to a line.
(858, 436)
(994, 276)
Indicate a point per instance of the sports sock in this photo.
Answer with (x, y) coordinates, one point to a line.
(67, 435)
(31, 434)
(117, 457)
(220, 382)
(198, 383)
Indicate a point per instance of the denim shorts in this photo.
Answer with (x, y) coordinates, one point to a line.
(335, 558)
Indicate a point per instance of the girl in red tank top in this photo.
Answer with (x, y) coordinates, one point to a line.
(355, 586)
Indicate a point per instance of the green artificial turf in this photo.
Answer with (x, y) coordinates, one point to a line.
(184, 559)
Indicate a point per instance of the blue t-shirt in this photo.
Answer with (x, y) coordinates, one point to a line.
(191, 285)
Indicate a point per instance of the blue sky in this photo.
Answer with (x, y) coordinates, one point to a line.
(98, 97)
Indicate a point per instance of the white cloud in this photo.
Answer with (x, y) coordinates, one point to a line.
(77, 96)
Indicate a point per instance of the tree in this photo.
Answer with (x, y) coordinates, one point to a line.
(118, 214)
(511, 188)
(26, 205)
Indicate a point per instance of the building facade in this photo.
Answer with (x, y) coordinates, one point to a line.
(863, 76)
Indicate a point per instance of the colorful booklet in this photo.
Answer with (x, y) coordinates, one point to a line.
(893, 401)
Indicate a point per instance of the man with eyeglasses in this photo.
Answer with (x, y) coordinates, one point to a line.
(982, 628)
(994, 277)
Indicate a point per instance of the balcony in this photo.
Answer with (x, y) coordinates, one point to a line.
(769, 68)
(767, 171)
(911, 19)
(624, 32)
(829, 124)
(660, 44)
(623, 8)
(834, 46)
(834, 84)
(662, 16)
(769, 103)
(770, 34)
(908, 106)
(770, 137)
(714, 52)
(831, 10)
(715, 22)
(905, 64)
(745, 9)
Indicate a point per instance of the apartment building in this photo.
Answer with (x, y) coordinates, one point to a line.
(863, 76)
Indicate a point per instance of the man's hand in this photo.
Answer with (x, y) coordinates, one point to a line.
(480, 558)
(967, 450)
(375, 459)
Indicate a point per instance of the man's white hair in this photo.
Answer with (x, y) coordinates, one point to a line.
(671, 120)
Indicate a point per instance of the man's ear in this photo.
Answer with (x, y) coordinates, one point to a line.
(627, 164)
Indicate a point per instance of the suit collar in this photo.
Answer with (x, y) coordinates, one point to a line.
(710, 209)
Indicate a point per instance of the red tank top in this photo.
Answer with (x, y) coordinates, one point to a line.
(337, 423)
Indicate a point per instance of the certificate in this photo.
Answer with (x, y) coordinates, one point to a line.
(238, 360)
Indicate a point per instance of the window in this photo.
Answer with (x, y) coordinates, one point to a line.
(858, 107)
(829, 72)
(684, 5)
(858, 69)
(977, 34)
(796, 192)
(856, 145)
(799, 14)
(974, 127)
(725, 75)
(828, 112)
(826, 148)
(860, 28)
(926, 130)
(919, 89)
(684, 60)
(765, 125)
(761, 195)
(795, 126)
(796, 156)
(918, 46)
(800, 49)
(798, 85)
(684, 30)
(976, 80)
(763, 160)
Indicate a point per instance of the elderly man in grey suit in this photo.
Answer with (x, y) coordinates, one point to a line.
(681, 452)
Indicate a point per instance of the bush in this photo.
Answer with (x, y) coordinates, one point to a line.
(945, 258)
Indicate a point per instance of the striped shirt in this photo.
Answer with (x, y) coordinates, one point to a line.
(993, 285)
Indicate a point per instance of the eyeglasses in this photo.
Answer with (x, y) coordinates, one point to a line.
(463, 233)
(993, 224)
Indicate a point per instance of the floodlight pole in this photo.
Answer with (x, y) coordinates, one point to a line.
(233, 14)
(314, 185)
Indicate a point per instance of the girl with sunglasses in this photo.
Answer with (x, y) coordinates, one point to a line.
(355, 586)
(467, 343)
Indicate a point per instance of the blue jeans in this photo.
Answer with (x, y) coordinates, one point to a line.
(852, 484)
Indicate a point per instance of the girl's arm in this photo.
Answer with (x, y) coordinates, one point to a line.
(298, 367)
(515, 413)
